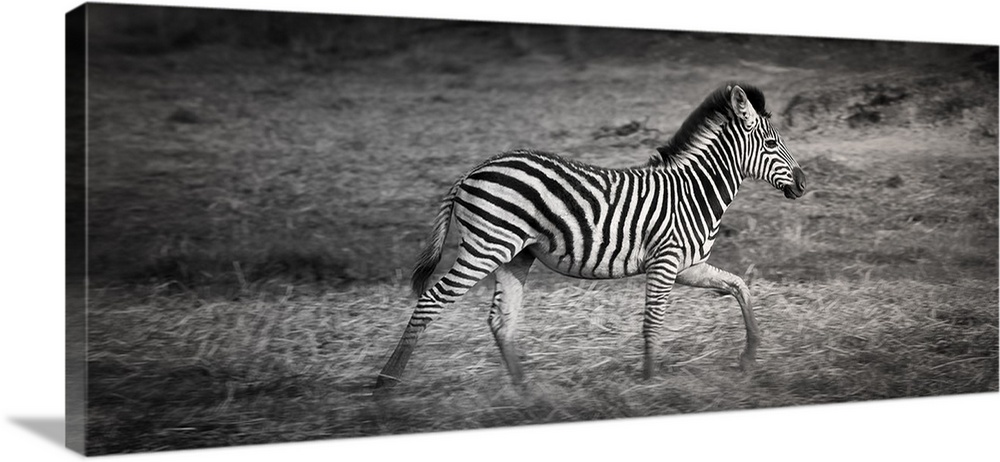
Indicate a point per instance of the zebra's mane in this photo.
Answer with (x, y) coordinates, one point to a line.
(707, 116)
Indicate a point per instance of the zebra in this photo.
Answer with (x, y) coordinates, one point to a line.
(584, 221)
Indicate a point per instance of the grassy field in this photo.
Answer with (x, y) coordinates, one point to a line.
(254, 212)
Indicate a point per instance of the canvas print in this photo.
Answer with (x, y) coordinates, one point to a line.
(287, 226)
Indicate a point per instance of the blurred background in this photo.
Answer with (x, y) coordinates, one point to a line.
(315, 147)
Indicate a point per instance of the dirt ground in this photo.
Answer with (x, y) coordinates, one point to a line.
(255, 209)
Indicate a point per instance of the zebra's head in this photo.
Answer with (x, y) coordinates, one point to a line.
(764, 157)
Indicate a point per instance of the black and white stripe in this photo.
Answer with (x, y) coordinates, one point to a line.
(583, 221)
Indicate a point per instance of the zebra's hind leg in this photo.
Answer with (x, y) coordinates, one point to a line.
(707, 276)
(510, 279)
(464, 274)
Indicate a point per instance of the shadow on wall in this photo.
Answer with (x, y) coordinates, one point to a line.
(52, 429)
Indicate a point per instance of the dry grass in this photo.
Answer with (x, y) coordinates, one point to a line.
(252, 224)
(193, 373)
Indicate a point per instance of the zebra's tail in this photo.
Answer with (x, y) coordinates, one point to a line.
(431, 254)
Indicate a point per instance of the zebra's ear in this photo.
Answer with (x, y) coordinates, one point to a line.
(742, 107)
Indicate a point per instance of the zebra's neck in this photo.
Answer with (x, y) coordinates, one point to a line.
(707, 170)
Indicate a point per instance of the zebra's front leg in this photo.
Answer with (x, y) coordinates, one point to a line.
(510, 280)
(709, 277)
(659, 282)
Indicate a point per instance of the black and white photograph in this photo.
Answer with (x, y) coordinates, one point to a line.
(290, 226)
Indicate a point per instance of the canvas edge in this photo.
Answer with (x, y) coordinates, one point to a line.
(76, 230)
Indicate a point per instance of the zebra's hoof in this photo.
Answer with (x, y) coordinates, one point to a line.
(747, 363)
(385, 382)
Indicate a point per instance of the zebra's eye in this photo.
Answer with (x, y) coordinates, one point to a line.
(770, 144)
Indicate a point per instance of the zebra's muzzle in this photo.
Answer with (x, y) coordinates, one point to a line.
(798, 186)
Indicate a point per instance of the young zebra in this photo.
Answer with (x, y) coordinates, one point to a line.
(583, 221)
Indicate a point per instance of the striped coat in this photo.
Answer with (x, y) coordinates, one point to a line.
(584, 221)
